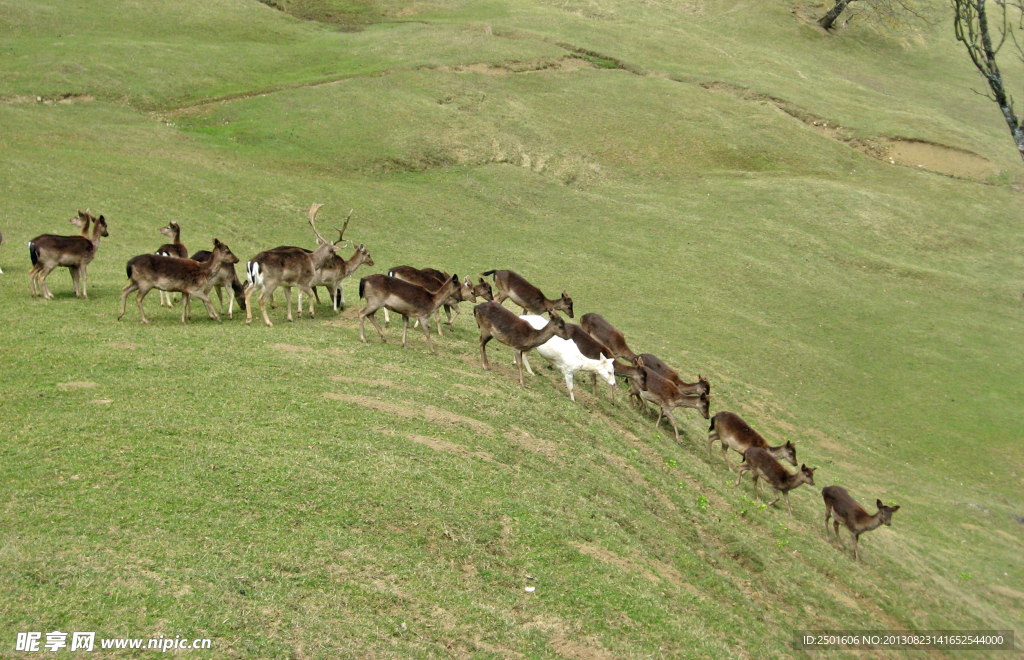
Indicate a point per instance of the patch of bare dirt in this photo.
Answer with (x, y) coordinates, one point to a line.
(125, 346)
(918, 154)
(440, 444)
(568, 648)
(77, 385)
(429, 413)
(1007, 591)
(569, 64)
(102, 402)
(289, 348)
(528, 441)
(368, 381)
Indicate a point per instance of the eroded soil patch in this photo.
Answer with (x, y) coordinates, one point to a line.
(919, 154)
(429, 413)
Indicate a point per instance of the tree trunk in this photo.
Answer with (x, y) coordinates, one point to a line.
(828, 19)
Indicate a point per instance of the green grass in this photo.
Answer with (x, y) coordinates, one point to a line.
(291, 492)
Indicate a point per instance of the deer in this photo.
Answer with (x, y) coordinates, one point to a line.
(286, 266)
(431, 280)
(402, 298)
(172, 249)
(496, 322)
(80, 220)
(730, 429)
(226, 276)
(846, 510)
(607, 334)
(594, 350)
(191, 278)
(763, 465)
(334, 270)
(663, 392)
(566, 356)
(73, 252)
(511, 284)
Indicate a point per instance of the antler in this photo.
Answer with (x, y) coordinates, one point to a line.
(341, 232)
(312, 222)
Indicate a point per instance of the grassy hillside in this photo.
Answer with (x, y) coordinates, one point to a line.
(292, 492)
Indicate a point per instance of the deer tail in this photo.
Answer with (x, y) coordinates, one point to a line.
(255, 276)
(33, 252)
(362, 285)
(490, 272)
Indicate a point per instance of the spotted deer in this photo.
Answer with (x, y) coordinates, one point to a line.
(73, 252)
(511, 284)
(607, 334)
(225, 277)
(191, 278)
(667, 396)
(497, 322)
(288, 267)
(763, 465)
(172, 249)
(846, 510)
(403, 298)
(431, 280)
(80, 220)
(731, 431)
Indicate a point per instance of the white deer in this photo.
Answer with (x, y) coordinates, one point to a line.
(566, 356)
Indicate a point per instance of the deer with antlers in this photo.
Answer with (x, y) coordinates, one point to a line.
(403, 298)
(511, 284)
(288, 267)
(336, 269)
(731, 431)
(190, 278)
(172, 249)
(497, 322)
(73, 252)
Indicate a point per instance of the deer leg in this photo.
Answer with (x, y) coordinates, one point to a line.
(220, 297)
(267, 293)
(32, 280)
(185, 314)
(568, 384)
(373, 320)
(828, 514)
(85, 281)
(743, 470)
(519, 363)
(387, 318)
(451, 317)
(671, 418)
(43, 273)
(248, 305)
(209, 306)
(789, 506)
(288, 297)
(405, 328)
(76, 281)
(341, 296)
(138, 299)
(842, 546)
(526, 363)
(132, 286)
(777, 496)
(483, 351)
(426, 333)
(273, 305)
(311, 297)
(856, 551)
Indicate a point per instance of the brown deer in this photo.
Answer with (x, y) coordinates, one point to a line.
(511, 284)
(288, 267)
(764, 466)
(652, 362)
(73, 252)
(663, 392)
(730, 429)
(402, 298)
(605, 332)
(497, 322)
(172, 249)
(846, 510)
(225, 277)
(80, 220)
(431, 280)
(190, 278)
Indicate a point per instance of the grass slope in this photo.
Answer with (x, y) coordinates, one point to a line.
(289, 491)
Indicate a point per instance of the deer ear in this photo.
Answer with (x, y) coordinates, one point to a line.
(878, 503)
(895, 508)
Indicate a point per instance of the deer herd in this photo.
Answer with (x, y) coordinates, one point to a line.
(594, 346)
